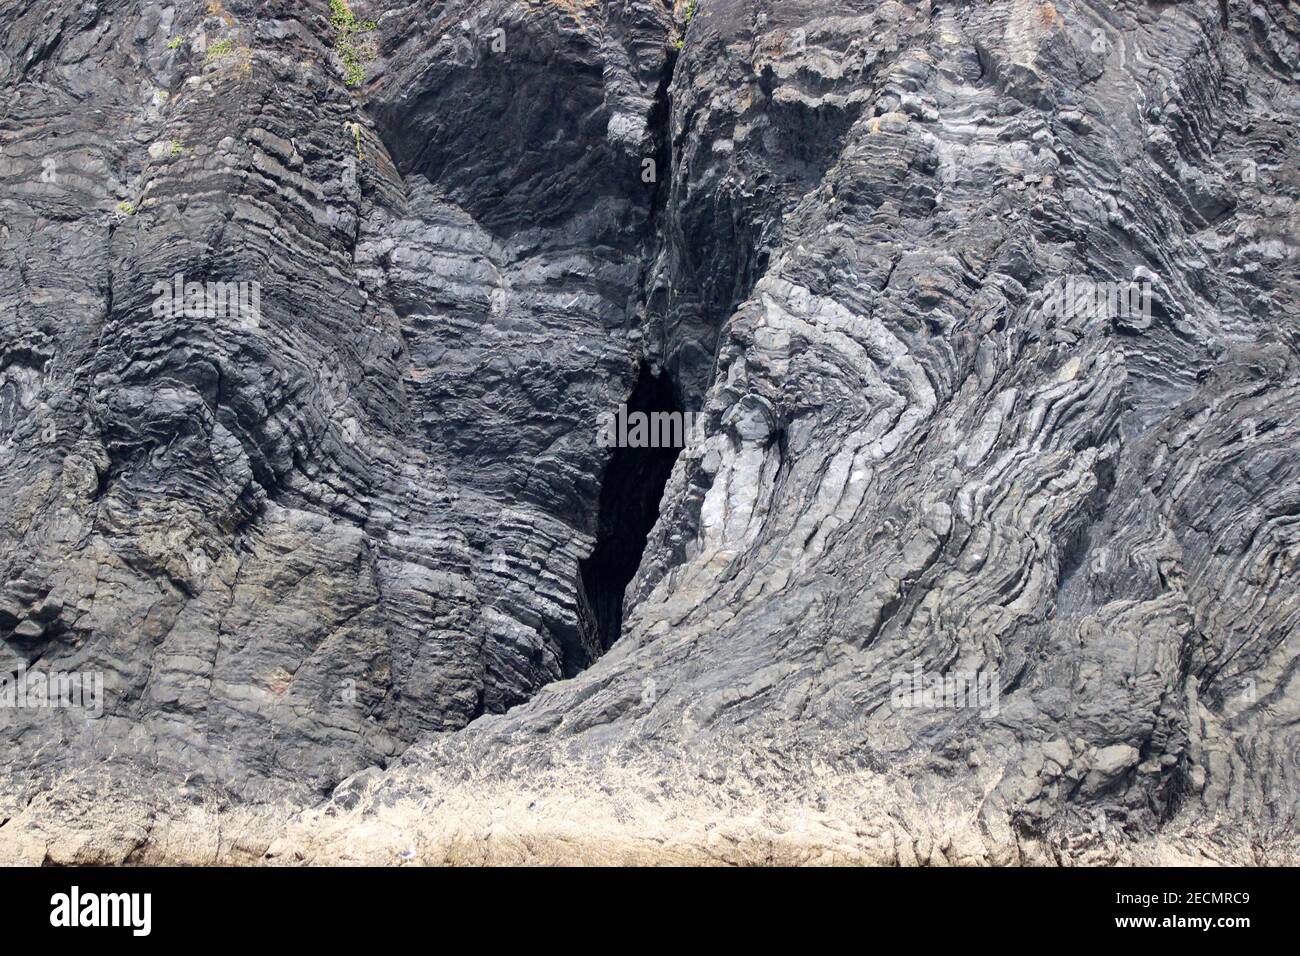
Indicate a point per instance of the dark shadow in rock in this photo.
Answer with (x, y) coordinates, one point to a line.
(629, 506)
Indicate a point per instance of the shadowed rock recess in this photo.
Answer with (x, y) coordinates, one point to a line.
(352, 565)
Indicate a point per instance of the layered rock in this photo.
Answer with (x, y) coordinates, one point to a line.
(295, 544)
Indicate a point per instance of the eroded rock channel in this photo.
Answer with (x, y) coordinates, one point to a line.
(630, 497)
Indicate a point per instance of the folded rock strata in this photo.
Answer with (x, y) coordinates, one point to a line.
(351, 554)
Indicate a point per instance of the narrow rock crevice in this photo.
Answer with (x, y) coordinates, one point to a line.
(629, 506)
(635, 478)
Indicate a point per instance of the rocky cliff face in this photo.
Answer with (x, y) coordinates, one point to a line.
(989, 309)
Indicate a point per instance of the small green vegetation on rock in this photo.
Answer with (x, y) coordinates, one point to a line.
(175, 42)
(220, 48)
(126, 208)
(350, 42)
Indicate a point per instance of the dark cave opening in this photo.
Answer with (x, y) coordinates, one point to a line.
(629, 506)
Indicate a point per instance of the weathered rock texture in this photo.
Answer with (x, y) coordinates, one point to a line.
(372, 518)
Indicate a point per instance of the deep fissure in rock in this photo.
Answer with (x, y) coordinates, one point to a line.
(629, 506)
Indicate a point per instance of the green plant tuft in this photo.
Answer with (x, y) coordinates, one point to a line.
(175, 42)
(126, 208)
(349, 43)
(220, 48)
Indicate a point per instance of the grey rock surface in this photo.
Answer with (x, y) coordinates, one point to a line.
(366, 538)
